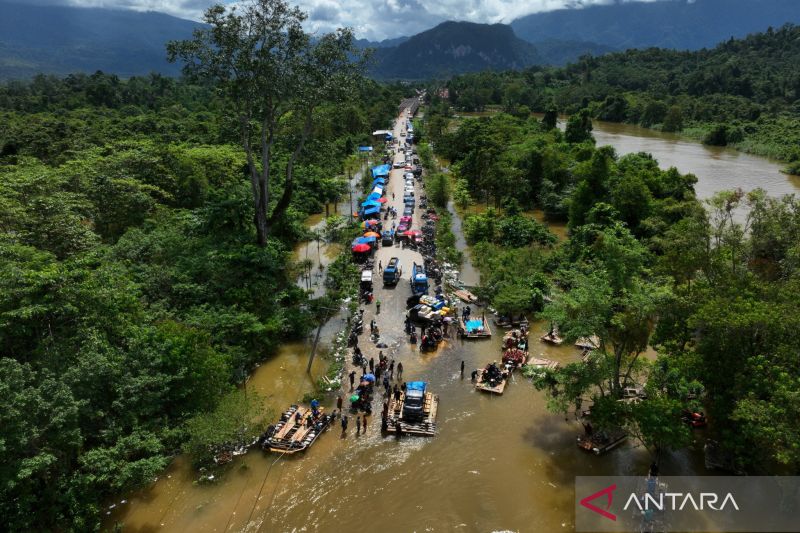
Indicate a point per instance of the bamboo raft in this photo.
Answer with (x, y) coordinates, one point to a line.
(497, 389)
(465, 296)
(552, 338)
(475, 334)
(541, 363)
(588, 343)
(424, 428)
(511, 323)
(290, 435)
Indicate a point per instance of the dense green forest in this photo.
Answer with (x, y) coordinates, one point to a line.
(744, 93)
(645, 264)
(125, 205)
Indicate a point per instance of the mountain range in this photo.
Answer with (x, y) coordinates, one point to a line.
(60, 40)
(675, 24)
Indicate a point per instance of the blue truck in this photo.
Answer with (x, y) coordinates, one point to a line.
(419, 279)
(414, 402)
(392, 272)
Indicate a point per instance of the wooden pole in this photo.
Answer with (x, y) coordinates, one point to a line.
(314, 347)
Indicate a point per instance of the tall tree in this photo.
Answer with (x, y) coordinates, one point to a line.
(262, 61)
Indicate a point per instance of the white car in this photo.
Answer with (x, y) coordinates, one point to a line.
(399, 164)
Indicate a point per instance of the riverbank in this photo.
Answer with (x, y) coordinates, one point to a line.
(716, 168)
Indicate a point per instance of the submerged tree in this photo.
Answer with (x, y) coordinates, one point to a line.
(270, 72)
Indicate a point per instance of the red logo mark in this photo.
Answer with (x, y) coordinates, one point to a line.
(608, 492)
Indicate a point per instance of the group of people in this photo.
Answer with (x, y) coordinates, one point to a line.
(493, 374)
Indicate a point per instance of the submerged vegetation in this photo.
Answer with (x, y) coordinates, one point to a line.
(646, 265)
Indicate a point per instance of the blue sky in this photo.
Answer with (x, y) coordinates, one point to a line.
(371, 19)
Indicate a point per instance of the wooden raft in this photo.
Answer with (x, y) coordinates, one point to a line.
(289, 438)
(539, 362)
(425, 428)
(498, 389)
(553, 338)
(485, 334)
(465, 296)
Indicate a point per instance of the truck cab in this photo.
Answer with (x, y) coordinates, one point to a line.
(392, 272)
(414, 403)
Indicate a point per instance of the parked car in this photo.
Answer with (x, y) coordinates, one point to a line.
(386, 238)
(408, 211)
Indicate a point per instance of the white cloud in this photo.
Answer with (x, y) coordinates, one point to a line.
(371, 19)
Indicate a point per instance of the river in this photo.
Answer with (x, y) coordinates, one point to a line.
(717, 168)
(497, 463)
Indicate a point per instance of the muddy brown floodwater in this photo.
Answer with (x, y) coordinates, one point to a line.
(497, 463)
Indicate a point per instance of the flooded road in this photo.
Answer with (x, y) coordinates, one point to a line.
(497, 463)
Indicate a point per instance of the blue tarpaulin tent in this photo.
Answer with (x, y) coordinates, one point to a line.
(370, 203)
(365, 240)
(381, 171)
(378, 181)
(373, 196)
(365, 148)
(372, 211)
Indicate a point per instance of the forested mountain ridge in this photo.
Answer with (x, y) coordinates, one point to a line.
(453, 47)
(62, 40)
(744, 92)
(676, 24)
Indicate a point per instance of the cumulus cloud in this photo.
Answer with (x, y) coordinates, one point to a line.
(371, 19)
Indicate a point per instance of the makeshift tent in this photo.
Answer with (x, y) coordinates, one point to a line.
(361, 248)
(364, 240)
(381, 171)
(370, 203)
(371, 234)
(372, 211)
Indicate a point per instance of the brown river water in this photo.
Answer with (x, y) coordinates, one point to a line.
(497, 463)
